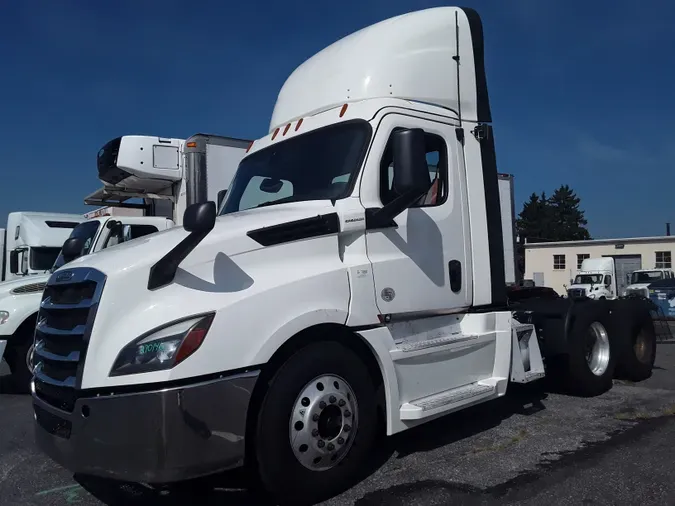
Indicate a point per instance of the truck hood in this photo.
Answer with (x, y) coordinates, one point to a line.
(228, 237)
(28, 284)
(637, 286)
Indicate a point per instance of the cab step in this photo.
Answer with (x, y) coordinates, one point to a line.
(449, 400)
(458, 341)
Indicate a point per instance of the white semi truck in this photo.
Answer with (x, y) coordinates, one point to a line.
(31, 242)
(596, 279)
(20, 299)
(355, 272)
(167, 174)
(638, 281)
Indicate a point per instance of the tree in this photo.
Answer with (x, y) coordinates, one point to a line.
(533, 222)
(557, 218)
(567, 219)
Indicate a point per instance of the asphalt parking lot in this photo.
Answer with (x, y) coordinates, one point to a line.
(533, 446)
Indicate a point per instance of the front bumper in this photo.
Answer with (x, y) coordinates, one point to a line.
(156, 436)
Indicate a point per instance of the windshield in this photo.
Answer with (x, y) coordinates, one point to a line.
(645, 277)
(85, 231)
(319, 165)
(588, 279)
(43, 257)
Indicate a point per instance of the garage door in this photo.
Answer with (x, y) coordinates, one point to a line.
(625, 265)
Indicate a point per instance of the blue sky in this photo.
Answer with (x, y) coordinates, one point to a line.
(581, 91)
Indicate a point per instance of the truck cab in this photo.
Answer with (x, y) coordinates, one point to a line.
(639, 280)
(596, 280)
(32, 241)
(20, 299)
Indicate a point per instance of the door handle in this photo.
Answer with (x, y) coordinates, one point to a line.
(455, 273)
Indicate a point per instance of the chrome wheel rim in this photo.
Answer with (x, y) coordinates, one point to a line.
(323, 422)
(29, 358)
(597, 349)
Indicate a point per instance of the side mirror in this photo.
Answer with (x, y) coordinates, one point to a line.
(113, 224)
(411, 171)
(271, 185)
(221, 197)
(200, 217)
(14, 262)
(72, 249)
(411, 176)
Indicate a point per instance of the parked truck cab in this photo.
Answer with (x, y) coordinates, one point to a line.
(354, 273)
(596, 280)
(32, 241)
(20, 299)
(639, 280)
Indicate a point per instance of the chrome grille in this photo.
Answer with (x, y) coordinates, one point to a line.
(576, 292)
(64, 323)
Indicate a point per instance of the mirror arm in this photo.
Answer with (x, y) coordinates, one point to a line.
(384, 216)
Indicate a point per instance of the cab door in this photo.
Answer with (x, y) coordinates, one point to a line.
(422, 263)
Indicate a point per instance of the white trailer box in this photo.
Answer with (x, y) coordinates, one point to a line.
(168, 174)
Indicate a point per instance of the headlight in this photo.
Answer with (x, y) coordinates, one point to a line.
(591, 296)
(162, 348)
(4, 316)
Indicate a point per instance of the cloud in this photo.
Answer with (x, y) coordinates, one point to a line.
(595, 151)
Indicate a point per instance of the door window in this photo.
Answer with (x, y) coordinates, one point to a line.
(437, 161)
(127, 233)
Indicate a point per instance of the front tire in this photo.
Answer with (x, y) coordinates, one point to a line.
(19, 356)
(316, 424)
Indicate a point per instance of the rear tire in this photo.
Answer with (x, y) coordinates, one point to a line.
(591, 352)
(316, 424)
(636, 333)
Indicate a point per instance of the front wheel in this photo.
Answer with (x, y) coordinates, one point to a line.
(19, 357)
(316, 424)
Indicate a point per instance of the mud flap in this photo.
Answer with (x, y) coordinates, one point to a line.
(526, 362)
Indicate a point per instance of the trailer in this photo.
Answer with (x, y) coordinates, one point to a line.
(355, 273)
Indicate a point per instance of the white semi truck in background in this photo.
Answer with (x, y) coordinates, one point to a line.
(168, 174)
(639, 280)
(355, 275)
(596, 279)
(31, 242)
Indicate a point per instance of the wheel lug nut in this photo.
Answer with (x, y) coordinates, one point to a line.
(332, 399)
(315, 432)
(315, 417)
(330, 447)
(321, 444)
(341, 402)
(341, 440)
(348, 428)
(348, 413)
(322, 405)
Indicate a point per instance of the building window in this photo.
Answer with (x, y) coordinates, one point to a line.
(558, 262)
(663, 260)
(580, 258)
